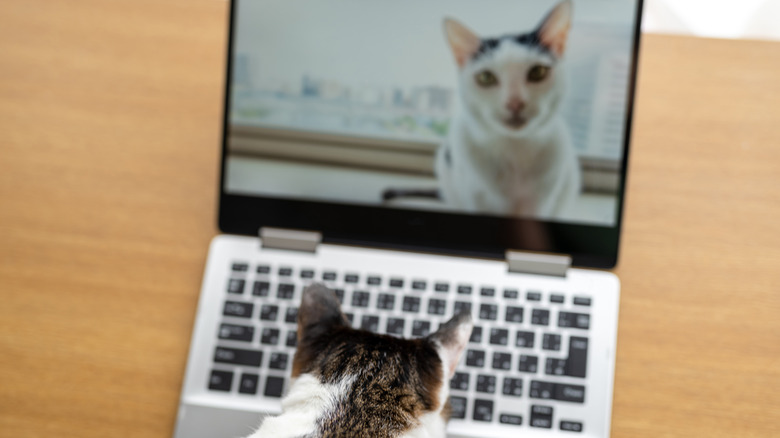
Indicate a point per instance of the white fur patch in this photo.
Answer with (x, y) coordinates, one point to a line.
(307, 400)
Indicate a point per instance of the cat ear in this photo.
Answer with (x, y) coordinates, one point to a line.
(320, 310)
(463, 42)
(554, 30)
(451, 340)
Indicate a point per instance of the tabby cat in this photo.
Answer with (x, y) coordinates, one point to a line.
(354, 383)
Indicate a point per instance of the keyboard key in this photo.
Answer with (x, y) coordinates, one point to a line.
(269, 312)
(220, 380)
(339, 294)
(528, 364)
(278, 361)
(292, 339)
(488, 312)
(555, 367)
(285, 291)
(514, 314)
(461, 306)
(533, 296)
(487, 292)
(542, 390)
(269, 336)
(261, 288)
(374, 280)
(569, 393)
(541, 416)
(577, 362)
(441, 287)
(370, 323)
(285, 271)
(274, 386)
(419, 285)
(329, 276)
(436, 306)
(571, 426)
(557, 298)
(557, 391)
(511, 294)
(395, 326)
(551, 342)
(499, 336)
(248, 384)
(464, 289)
(540, 317)
(238, 309)
(385, 302)
(525, 339)
(236, 286)
(307, 274)
(458, 407)
(460, 381)
(291, 315)
(421, 328)
(239, 267)
(235, 332)
(351, 278)
(360, 298)
(483, 410)
(238, 356)
(263, 269)
(476, 335)
(411, 304)
(396, 282)
(582, 301)
(486, 384)
(475, 358)
(502, 361)
(513, 387)
(350, 317)
(575, 320)
(515, 420)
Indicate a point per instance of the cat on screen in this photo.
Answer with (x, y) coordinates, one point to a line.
(351, 382)
(508, 150)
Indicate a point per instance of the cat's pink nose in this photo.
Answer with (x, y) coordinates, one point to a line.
(515, 105)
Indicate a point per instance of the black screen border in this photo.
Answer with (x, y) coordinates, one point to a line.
(420, 230)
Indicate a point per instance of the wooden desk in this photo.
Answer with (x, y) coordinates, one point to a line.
(108, 160)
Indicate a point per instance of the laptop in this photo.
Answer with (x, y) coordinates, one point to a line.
(335, 112)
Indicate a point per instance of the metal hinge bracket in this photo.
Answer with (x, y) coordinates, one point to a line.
(292, 240)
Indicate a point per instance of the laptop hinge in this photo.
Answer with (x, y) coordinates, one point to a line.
(292, 240)
(538, 263)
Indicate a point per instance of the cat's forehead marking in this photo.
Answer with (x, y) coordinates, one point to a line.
(530, 42)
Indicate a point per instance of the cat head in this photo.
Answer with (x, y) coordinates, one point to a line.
(374, 385)
(512, 84)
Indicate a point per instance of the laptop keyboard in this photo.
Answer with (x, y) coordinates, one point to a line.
(523, 341)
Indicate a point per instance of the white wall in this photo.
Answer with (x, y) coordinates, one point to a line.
(752, 19)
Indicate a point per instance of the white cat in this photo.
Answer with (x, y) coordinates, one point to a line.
(508, 150)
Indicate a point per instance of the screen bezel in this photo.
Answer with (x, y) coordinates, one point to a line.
(420, 230)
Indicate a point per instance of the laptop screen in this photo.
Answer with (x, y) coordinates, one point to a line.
(485, 112)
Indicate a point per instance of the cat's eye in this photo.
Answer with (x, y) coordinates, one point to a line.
(486, 78)
(538, 73)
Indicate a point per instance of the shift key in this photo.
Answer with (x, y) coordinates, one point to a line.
(577, 362)
(238, 356)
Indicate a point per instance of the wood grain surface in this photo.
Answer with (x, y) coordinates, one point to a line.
(109, 132)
